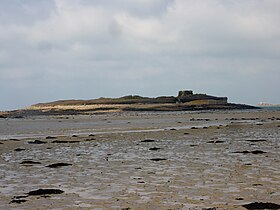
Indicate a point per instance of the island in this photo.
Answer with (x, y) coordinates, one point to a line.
(186, 100)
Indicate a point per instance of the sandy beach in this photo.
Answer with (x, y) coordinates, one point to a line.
(141, 160)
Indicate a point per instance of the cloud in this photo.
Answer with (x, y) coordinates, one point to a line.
(67, 48)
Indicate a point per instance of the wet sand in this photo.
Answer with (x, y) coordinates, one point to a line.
(136, 160)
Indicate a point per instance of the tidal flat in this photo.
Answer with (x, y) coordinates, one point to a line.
(142, 160)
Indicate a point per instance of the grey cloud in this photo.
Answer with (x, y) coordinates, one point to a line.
(24, 12)
(88, 49)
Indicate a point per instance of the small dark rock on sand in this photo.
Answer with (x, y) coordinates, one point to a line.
(158, 159)
(64, 142)
(19, 201)
(260, 205)
(248, 164)
(148, 140)
(57, 165)
(215, 142)
(20, 197)
(50, 137)
(19, 149)
(256, 140)
(14, 140)
(154, 148)
(37, 142)
(45, 192)
(255, 152)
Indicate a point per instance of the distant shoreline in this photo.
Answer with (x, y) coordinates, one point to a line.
(185, 101)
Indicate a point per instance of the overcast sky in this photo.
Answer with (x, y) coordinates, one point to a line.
(83, 49)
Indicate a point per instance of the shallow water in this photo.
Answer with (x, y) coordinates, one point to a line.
(42, 126)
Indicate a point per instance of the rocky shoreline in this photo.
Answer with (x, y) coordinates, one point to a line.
(185, 101)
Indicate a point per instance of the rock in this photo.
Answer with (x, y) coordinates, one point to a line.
(44, 192)
(148, 140)
(243, 152)
(19, 201)
(14, 140)
(57, 165)
(154, 148)
(19, 149)
(260, 205)
(215, 142)
(255, 152)
(20, 197)
(214, 208)
(255, 185)
(158, 159)
(50, 137)
(256, 140)
(64, 142)
(37, 142)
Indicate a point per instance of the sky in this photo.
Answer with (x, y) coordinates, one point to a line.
(85, 49)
